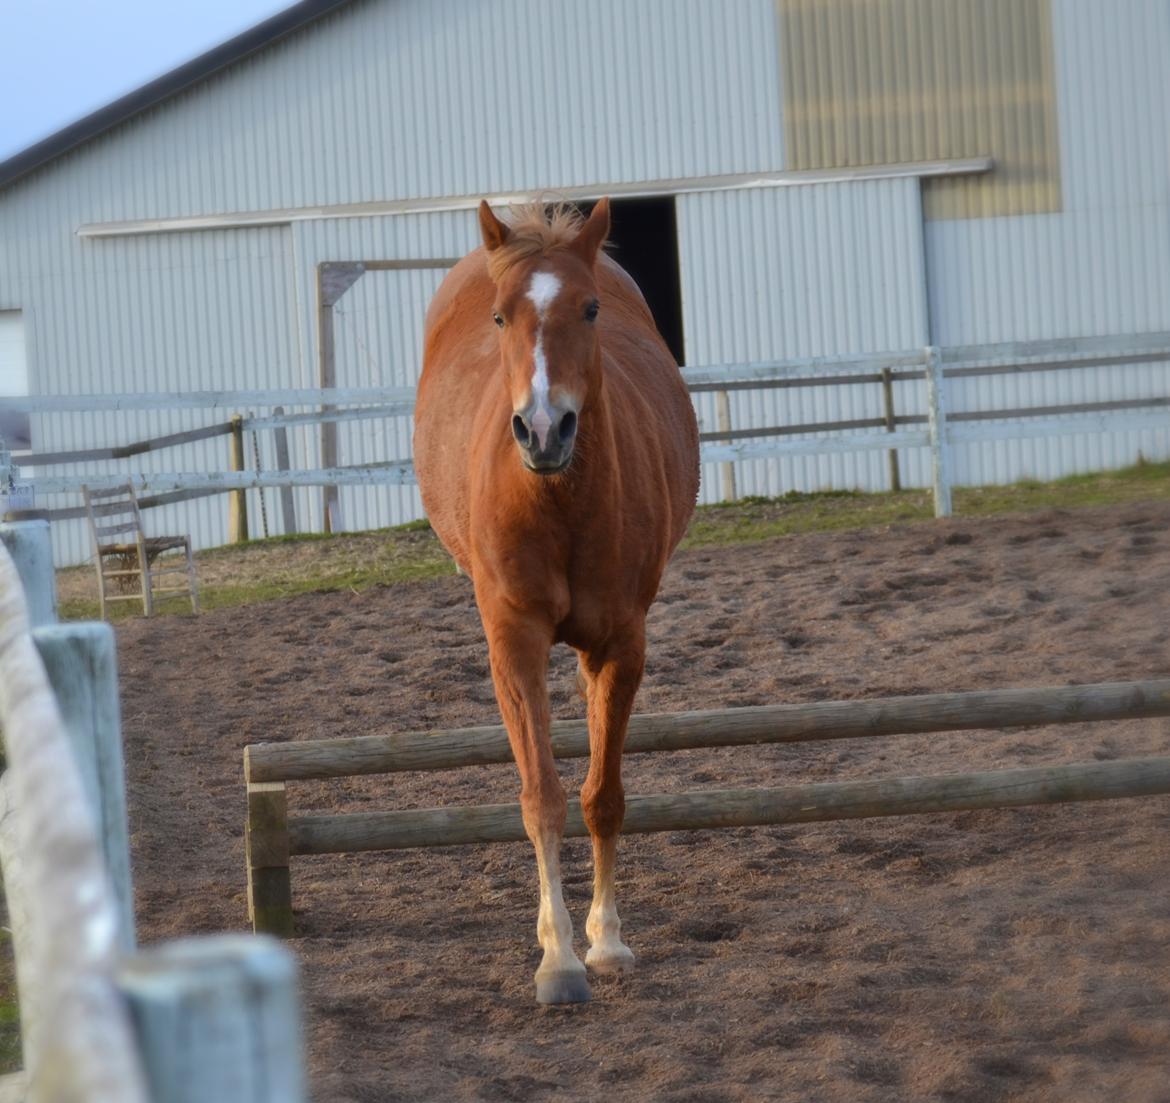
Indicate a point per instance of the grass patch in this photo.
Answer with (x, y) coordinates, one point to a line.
(284, 566)
(10, 1051)
(751, 519)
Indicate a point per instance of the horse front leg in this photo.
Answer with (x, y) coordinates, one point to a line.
(519, 660)
(613, 675)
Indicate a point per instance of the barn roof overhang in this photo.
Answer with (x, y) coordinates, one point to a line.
(635, 189)
(171, 84)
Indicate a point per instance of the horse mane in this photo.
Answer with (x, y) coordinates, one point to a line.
(536, 229)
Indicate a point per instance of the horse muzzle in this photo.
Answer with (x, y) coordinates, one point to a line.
(545, 438)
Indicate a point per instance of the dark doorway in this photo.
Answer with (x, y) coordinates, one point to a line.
(643, 239)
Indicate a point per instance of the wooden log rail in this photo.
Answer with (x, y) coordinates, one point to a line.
(273, 838)
(677, 731)
(703, 810)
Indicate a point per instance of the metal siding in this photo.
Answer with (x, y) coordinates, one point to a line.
(378, 339)
(779, 273)
(379, 328)
(892, 81)
(405, 100)
(187, 312)
(1100, 266)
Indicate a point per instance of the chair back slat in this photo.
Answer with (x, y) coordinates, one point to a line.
(111, 492)
(115, 529)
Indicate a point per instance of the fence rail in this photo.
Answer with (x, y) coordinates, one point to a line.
(939, 429)
(274, 837)
(215, 1017)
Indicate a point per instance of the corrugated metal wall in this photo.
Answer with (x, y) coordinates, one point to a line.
(176, 313)
(1100, 266)
(410, 99)
(871, 82)
(781, 273)
(378, 327)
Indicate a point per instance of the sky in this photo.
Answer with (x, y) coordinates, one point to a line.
(62, 59)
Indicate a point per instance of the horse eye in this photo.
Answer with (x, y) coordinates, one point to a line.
(591, 311)
(498, 320)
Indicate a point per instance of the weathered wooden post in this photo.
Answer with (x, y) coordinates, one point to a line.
(727, 468)
(81, 663)
(334, 279)
(238, 501)
(266, 846)
(31, 548)
(891, 427)
(217, 1018)
(65, 923)
(287, 504)
(940, 449)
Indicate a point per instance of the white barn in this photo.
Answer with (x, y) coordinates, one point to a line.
(793, 178)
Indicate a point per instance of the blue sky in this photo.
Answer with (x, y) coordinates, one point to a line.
(62, 59)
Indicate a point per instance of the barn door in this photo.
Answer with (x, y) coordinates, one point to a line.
(783, 273)
(377, 342)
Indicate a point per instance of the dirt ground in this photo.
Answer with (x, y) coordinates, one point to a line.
(1013, 955)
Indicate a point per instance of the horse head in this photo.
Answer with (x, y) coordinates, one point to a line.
(545, 307)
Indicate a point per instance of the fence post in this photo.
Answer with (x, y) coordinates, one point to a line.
(726, 469)
(81, 663)
(31, 548)
(287, 503)
(238, 500)
(217, 1018)
(64, 922)
(891, 427)
(940, 449)
(266, 849)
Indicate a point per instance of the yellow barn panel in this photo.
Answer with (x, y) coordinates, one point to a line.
(890, 81)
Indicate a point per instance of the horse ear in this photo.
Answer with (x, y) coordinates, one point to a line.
(495, 232)
(593, 234)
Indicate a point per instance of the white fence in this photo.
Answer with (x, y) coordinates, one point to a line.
(935, 423)
(212, 1018)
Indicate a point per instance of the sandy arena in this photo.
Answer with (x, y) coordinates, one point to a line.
(1018, 955)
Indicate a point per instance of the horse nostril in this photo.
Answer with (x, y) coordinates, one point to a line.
(568, 427)
(520, 431)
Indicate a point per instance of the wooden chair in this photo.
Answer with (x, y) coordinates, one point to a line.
(115, 513)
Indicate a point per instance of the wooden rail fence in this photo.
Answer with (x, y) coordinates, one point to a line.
(274, 837)
(210, 1018)
(934, 425)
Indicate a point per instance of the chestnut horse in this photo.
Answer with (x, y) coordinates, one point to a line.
(557, 453)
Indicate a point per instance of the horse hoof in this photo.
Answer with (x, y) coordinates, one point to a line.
(562, 987)
(610, 959)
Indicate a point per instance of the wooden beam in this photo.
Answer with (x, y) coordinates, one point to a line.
(124, 451)
(940, 446)
(266, 846)
(218, 1018)
(238, 503)
(81, 663)
(443, 750)
(288, 509)
(327, 378)
(746, 807)
(76, 1032)
(31, 548)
